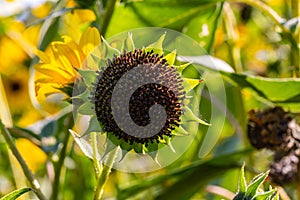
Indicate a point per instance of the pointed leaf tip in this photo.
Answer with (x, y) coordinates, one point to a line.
(15, 194)
(157, 46)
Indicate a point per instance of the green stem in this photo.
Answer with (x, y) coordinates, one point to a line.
(295, 8)
(104, 175)
(63, 153)
(97, 165)
(32, 180)
(109, 9)
(233, 37)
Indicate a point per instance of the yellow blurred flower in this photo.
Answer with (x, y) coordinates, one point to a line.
(76, 21)
(42, 10)
(32, 154)
(57, 69)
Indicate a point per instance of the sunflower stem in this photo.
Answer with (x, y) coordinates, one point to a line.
(105, 174)
(97, 165)
(59, 165)
(109, 9)
(32, 180)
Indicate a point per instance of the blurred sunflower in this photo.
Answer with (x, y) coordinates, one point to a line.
(58, 67)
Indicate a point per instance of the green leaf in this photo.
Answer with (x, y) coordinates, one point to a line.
(265, 195)
(209, 62)
(282, 91)
(15, 194)
(254, 185)
(89, 76)
(242, 181)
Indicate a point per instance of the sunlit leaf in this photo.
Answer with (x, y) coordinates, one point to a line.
(15, 194)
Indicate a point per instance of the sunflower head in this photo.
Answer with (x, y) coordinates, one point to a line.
(134, 92)
(138, 98)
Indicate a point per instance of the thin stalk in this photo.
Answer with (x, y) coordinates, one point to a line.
(233, 37)
(97, 165)
(62, 155)
(109, 10)
(105, 174)
(32, 180)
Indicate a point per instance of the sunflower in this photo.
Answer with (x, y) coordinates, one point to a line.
(135, 95)
(58, 67)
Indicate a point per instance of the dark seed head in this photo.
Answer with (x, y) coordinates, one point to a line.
(270, 129)
(165, 89)
(284, 169)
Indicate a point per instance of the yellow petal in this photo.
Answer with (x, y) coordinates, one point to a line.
(68, 56)
(75, 47)
(43, 56)
(55, 74)
(42, 10)
(85, 15)
(89, 40)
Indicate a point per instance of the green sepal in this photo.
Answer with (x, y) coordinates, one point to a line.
(109, 51)
(125, 146)
(92, 62)
(114, 139)
(94, 126)
(128, 44)
(171, 57)
(190, 83)
(157, 46)
(151, 147)
(242, 181)
(265, 195)
(84, 96)
(138, 147)
(180, 131)
(168, 142)
(89, 76)
(86, 109)
(192, 117)
(255, 183)
(180, 68)
(152, 151)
